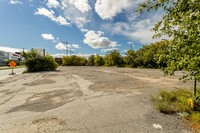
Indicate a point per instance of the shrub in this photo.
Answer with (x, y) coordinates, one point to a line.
(66, 61)
(91, 60)
(129, 59)
(35, 62)
(74, 61)
(99, 61)
(114, 59)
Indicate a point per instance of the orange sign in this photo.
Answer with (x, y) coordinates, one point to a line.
(12, 64)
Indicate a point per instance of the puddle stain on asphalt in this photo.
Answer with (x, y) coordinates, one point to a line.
(40, 82)
(48, 100)
(8, 95)
(5, 91)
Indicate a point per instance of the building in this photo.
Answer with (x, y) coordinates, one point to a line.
(14, 56)
(5, 56)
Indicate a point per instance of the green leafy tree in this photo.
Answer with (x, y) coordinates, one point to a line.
(74, 60)
(91, 60)
(67, 61)
(145, 57)
(35, 62)
(181, 23)
(114, 59)
(129, 59)
(99, 61)
(139, 59)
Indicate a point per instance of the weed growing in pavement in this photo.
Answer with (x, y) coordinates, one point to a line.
(179, 101)
(195, 116)
(173, 101)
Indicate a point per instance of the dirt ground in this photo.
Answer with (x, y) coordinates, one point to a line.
(87, 100)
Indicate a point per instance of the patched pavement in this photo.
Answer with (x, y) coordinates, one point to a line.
(86, 100)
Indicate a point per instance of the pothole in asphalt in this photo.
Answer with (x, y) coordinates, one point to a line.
(40, 82)
(45, 124)
(48, 100)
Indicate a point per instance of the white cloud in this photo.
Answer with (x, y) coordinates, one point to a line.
(108, 50)
(63, 6)
(107, 9)
(125, 50)
(130, 42)
(81, 5)
(45, 12)
(61, 21)
(75, 46)
(77, 11)
(84, 30)
(62, 46)
(50, 14)
(69, 11)
(58, 55)
(81, 21)
(48, 37)
(138, 29)
(15, 2)
(9, 49)
(53, 4)
(95, 40)
(84, 55)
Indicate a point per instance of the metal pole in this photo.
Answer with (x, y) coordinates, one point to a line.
(12, 71)
(195, 87)
(67, 50)
(131, 45)
(21, 56)
(65, 42)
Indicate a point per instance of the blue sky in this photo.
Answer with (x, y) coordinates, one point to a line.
(89, 26)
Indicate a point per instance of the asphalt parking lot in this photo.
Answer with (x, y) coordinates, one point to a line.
(87, 100)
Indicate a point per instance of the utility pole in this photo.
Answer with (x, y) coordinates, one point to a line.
(67, 48)
(70, 52)
(131, 45)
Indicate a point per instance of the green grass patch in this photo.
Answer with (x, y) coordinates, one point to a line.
(195, 116)
(180, 101)
(5, 68)
(173, 101)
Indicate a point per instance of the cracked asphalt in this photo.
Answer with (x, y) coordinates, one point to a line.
(87, 100)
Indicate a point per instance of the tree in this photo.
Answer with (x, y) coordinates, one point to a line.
(35, 62)
(114, 59)
(181, 23)
(99, 61)
(74, 60)
(91, 60)
(66, 61)
(130, 57)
